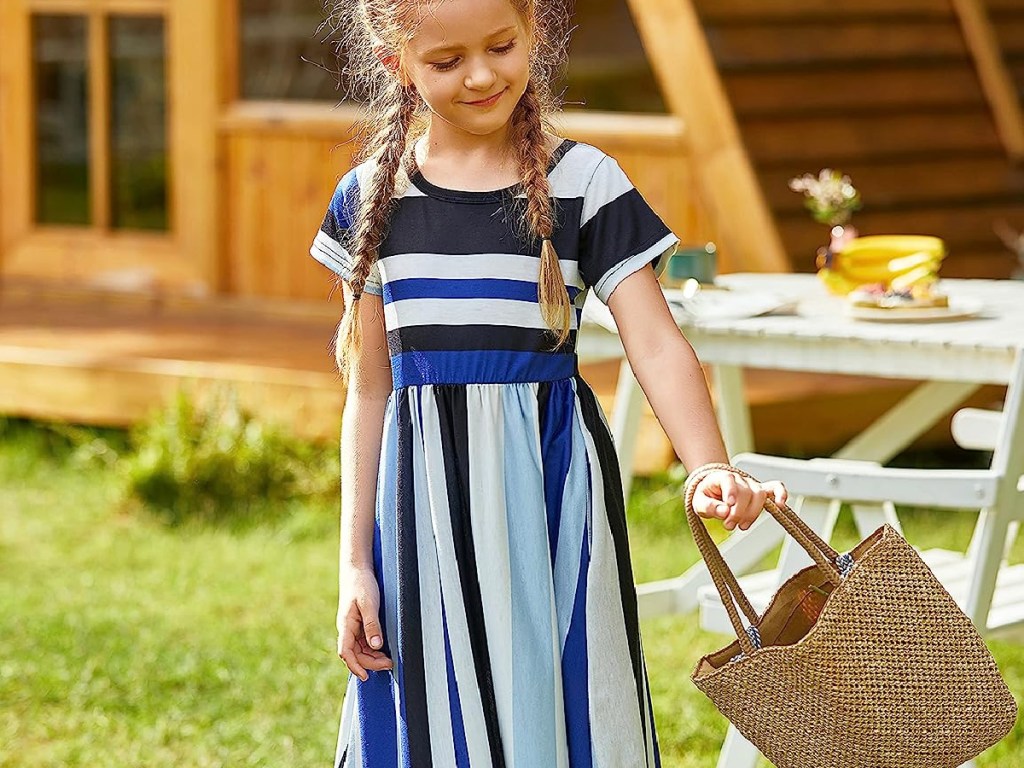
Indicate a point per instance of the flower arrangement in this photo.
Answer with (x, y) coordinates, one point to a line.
(831, 197)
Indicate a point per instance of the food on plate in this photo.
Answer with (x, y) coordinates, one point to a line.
(881, 296)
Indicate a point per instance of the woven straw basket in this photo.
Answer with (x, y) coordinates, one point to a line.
(861, 660)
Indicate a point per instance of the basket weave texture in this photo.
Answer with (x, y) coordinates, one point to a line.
(883, 671)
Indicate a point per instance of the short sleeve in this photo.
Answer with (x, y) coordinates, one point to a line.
(329, 245)
(620, 233)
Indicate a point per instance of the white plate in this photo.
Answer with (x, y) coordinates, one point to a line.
(721, 304)
(958, 309)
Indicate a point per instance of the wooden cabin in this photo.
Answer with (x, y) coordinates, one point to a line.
(164, 164)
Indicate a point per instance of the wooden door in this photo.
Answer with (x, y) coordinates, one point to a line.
(107, 143)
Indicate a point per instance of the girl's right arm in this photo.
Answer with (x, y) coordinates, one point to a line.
(369, 385)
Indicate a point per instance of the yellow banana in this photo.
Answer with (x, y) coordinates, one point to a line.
(897, 261)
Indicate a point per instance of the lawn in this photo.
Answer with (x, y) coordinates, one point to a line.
(124, 642)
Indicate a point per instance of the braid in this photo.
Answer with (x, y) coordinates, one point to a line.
(528, 130)
(388, 148)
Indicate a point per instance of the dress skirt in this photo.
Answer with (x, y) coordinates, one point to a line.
(507, 597)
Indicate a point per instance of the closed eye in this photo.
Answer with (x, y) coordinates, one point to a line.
(445, 66)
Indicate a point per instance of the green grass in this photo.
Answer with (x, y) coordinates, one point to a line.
(125, 642)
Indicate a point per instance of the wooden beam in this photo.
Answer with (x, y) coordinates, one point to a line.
(995, 77)
(98, 68)
(678, 50)
(193, 53)
(17, 145)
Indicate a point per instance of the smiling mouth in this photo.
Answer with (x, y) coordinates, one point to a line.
(487, 102)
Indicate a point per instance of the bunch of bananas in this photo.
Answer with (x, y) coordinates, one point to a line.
(895, 261)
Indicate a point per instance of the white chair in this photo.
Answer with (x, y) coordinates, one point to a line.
(990, 592)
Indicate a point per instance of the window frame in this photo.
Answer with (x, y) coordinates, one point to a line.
(181, 259)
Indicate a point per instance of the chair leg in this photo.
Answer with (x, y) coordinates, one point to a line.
(986, 550)
(737, 752)
(871, 517)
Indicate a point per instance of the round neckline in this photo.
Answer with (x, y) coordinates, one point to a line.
(472, 196)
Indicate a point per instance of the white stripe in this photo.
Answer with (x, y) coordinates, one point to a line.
(571, 531)
(569, 178)
(451, 586)
(615, 726)
(442, 744)
(610, 280)
(490, 539)
(507, 266)
(332, 255)
(608, 184)
(521, 314)
(345, 730)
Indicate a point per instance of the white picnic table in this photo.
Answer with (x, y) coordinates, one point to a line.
(951, 359)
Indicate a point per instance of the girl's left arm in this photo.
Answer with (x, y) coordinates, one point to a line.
(671, 377)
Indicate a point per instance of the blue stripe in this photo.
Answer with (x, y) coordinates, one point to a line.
(375, 699)
(533, 662)
(556, 445)
(575, 665)
(465, 288)
(378, 731)
(454, 701)
(479, 367)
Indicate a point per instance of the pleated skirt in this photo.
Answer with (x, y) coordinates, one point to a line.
(507, 595)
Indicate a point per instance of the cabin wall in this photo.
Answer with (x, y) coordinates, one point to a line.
(282, 162)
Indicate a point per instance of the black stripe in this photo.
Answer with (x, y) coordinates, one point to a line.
(453, 412)
(344, 758)
(616, 510)
(620, 229)
(410, 629)
(428, 338)
(428, 225)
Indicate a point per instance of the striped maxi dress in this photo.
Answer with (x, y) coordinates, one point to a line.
(500, 545)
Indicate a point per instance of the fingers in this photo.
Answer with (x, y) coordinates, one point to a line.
(778, 492)
(358, 652)
(736, 501)
(347, 651)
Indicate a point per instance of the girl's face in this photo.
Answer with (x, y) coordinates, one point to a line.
(470, 62)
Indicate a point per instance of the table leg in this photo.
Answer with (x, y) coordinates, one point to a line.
(906, 421)
(626, 413)
(732, 408)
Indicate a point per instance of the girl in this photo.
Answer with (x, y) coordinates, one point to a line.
(487, 609)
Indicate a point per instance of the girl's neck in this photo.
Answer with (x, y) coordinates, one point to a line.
(443, 144)
(457, 160)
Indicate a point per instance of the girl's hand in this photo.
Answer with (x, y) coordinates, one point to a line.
(359, 632)
(734, 499)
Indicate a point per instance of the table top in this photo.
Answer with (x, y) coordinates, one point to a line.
(818, 335)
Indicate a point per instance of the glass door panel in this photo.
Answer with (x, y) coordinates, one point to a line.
(61, 78)
(138, 123)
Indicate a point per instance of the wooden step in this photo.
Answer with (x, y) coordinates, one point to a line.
(908, 182)
(837, 90)
(857, 43)
(866, 136)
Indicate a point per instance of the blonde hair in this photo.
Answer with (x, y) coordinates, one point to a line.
(395, 116)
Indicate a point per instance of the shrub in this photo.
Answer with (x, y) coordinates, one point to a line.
(214, 460)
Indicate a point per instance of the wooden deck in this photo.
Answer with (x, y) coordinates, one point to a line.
(112, 358)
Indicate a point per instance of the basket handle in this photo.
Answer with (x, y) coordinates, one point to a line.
(725, 580)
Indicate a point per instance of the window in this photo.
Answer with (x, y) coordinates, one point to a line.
(285, 54)
(120, 181)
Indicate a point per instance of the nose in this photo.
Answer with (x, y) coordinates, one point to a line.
(480, 76)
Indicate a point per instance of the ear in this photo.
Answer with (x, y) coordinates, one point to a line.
(392, 63)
